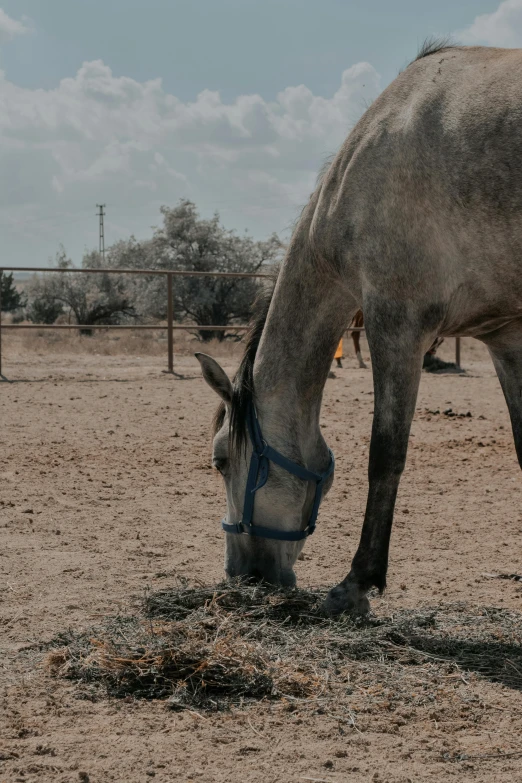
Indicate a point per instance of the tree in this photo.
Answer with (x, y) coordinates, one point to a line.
(12, 299)
(44, 311)
(91, 298)
(186, 242)
(147, 294)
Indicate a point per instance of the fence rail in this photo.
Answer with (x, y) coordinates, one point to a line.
(150, 272)
(170, 326)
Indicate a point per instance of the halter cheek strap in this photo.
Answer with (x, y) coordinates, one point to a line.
(262, 455)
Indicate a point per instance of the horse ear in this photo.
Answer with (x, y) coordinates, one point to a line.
(215, 376)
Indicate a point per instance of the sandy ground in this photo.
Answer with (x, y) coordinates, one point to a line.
(106, 488)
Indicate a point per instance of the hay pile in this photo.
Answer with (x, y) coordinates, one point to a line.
(212, 647)
(200, 647)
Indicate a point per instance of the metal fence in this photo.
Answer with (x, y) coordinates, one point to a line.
(170, 326)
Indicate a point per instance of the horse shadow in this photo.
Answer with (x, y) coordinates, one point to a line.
(495, 660)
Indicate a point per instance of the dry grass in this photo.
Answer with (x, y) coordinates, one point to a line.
(213, 647)
(111, 343)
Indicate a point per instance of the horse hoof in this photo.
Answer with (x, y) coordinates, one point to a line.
(347, 598)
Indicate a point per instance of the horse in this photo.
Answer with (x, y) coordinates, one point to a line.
(418, 221)
(358, 323)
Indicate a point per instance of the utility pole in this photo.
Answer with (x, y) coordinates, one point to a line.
(101, 215)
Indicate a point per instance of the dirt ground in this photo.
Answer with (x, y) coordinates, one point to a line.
(106, 489)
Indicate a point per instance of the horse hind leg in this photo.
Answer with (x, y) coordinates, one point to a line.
(505, 347)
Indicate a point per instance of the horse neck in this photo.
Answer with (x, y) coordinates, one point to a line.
(309, 311)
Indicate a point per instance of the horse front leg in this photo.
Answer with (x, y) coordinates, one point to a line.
(505, 347)
(397, 363)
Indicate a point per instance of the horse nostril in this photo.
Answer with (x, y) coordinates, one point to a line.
(245, 577)
(262, 573)
(274, 577)
(287, 579)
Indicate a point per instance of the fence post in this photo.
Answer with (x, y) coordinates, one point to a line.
(457, 352)
(170, 321)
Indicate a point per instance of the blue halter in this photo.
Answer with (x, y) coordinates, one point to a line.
(262, 455)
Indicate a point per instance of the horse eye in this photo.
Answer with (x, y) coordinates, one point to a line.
(220, 463)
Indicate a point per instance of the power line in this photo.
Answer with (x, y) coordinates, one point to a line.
(101, 215)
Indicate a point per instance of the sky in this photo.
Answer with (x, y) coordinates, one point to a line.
(234, 104)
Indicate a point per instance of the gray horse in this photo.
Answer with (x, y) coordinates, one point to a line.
(418, 220)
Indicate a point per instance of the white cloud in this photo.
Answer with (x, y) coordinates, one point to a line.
(134, 146)
(9, 28)
(503, 27)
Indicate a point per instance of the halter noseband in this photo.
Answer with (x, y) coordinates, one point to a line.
(262, 455)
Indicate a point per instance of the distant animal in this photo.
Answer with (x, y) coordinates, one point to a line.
(428, 362)
(418, 221)
(358, 323)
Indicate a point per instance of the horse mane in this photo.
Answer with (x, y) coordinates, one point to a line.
(434, 45)
(243, 382)
(325, 166)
